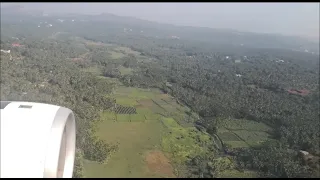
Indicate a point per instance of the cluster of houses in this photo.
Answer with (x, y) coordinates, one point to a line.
(9, 51)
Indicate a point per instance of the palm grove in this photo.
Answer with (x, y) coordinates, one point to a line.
(216, 81)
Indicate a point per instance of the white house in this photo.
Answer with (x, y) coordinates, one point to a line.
(5, 51)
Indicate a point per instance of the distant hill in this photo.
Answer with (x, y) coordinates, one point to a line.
(210, 35)
(207, 35)
(18, 10)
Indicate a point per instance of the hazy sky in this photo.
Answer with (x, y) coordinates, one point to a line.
(285, 18)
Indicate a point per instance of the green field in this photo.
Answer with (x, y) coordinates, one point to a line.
(116, 55)
(243, 133)
(93, 70)
(124, 70)
(160, 137)
(238, 174)
(126, 50)
(151, 143)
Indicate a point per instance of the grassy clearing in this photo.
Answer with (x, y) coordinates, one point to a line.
(126, 50)
(116, 55)
(93, 69)
(237, 144)
(93, 43)
(227, 136)
(135, 93)
(134, 139)
(124, 70)
(238, 124)
(182, 143)
(137, 118)
(112, 80)
(123, 118)
(237, 174)
(150, 145)
(107, 116)
(243, 133)
(252, 135)
(126, 101)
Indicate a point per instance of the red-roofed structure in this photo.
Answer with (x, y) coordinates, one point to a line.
(302, 92)
(16, 45)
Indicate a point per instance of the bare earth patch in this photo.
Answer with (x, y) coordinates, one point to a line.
(157, 162)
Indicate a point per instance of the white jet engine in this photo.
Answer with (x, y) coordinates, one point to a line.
(37, 140)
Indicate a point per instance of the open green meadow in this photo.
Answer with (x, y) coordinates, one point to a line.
(239, 133)
(152, 142)
(155, 134)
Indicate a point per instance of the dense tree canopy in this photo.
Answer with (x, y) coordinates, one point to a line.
(216, 80)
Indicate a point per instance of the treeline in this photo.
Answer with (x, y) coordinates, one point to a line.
(256, 89)
(40, 72)
(216, 81)
(240, 83)
(213, 90)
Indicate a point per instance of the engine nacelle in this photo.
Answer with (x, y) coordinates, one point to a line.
(37, 140)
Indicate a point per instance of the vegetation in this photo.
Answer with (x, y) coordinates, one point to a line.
(141, 137)
(222, 109)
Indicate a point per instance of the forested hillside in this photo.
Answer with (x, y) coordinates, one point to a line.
(239, 86)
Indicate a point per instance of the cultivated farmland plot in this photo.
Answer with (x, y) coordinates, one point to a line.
(152, 141)
(125, 110)
(243, 133)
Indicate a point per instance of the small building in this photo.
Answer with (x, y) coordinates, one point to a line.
(168, 84)
(5, 51)
(175, 37)
(237, 61)
(304, 152)
(302, 92)
(16, 45)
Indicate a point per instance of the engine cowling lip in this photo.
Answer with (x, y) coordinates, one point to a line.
(64, 118)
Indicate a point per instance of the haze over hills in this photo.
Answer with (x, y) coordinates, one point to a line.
(203, 34)
(152, 99)
(299, 19)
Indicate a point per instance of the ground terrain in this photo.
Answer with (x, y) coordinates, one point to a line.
(160, 137)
